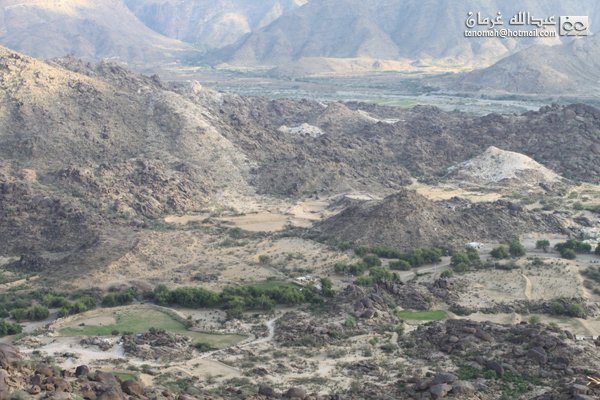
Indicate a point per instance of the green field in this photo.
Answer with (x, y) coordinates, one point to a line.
(140, 320)
(125, 377)
(423, 315)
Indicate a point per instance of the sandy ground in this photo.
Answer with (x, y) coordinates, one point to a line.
(447, 192)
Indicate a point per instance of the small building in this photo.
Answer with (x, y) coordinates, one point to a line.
(473, 245)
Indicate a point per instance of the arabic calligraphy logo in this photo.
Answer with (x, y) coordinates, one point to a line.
(574, 26)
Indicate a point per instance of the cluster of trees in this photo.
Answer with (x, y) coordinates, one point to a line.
(515, 249)
(119, 299)
(571, 247)
(35, 313)
(237, 299)
(415, 258)
(464, 260)
(7, 328)
(575, 310)
(355, 269)
(66, 307)
(375, 274)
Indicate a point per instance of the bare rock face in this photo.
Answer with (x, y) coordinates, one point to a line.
(133, 388)
(9, 356)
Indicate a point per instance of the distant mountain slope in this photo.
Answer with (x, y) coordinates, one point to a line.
(91, 30)
(389, 30)
(568, 69)
(210, 22)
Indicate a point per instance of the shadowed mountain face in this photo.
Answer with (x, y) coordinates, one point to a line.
(386, 29)
(569, 69)
(90, 30)
(213, 23)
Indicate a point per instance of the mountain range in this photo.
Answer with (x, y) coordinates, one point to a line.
(273, 32)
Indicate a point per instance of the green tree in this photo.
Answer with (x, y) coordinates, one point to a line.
(38, 313)
(576, 310)
(461, 267)
(18, 314)
(515, 248)
(362, 250)
(327, 287)
(460, 257)
(63, 312)
(568, 254)
(372, 260)
(499, 252)
(447, 274)
(400, 265)
(542, 244)
(264, 259)
(557, 309)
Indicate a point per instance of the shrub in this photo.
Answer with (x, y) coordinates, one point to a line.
(542, 244)
(63, 312)
(557, 309)
(389, 347)
(535, 319)
(264, 259)
(462, 267)
(568, 254)
(447, 274)
(576, 310)
(18, 314)
(350, 322)
(515, 248)
(363, 281)
(400, 265)
(37, 313)
(577, 205)
(499, 252)
(399, 330)
(460, 257)
(343, 246)
(371, 260)
(362, 250)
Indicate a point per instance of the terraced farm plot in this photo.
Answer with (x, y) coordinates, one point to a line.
(140, 320)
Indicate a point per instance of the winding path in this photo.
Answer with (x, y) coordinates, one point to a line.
(528, 287)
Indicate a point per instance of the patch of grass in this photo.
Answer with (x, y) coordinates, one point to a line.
(141, 320)
(125, 377)
(423, 315)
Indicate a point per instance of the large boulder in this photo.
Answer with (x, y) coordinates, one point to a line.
(497, 368)
(105, 377)
(444, 377)
(463, 388)
(538, 354)
(440, 390)
(114, 393)
(133, 388)
(82, 370)
(266, 391)
(296, 392)
(9, 356)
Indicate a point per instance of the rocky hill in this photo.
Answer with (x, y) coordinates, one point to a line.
(90, 30)
(114, 151)
(407, 220)
(541, 70)
(507, 169)
(212, 23)
(387, 30)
